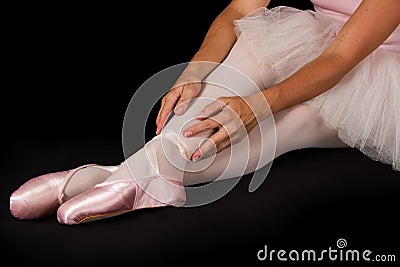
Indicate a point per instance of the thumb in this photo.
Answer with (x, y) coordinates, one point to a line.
(189, 92)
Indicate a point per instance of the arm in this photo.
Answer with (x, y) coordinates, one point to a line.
(221, 35)
(216, 45)
(369, 26)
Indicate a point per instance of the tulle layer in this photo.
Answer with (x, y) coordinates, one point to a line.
(363, 107)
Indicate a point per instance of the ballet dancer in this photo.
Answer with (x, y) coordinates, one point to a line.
(329, 77)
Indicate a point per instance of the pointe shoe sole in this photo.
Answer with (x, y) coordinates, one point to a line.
(97, 217)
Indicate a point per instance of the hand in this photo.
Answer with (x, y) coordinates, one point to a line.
(232, 118)
(177, 99)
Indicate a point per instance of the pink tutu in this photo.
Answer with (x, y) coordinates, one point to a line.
(363, 107)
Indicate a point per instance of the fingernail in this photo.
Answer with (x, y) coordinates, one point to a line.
(196, 158)
(188, 133)
(202, 114)
(179, 110)
(157, 131)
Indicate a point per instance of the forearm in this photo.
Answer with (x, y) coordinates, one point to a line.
(311, 80)
(216, 45)
(367, 28)
(221, 37)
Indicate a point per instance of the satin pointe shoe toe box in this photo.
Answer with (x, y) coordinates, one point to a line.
(112, 198)
(37, 197)
(42, 195)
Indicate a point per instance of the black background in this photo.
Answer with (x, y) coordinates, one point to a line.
(71, 71)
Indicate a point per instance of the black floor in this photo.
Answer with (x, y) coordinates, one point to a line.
(310, 199)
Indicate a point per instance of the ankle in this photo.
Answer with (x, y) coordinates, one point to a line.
(159, 191)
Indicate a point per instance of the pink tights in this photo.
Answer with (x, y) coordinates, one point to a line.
(94, 192)
(296, 127)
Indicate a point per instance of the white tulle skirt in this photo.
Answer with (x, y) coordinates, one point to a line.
(364, 107)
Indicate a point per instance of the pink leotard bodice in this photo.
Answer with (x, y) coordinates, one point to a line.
(343, 9)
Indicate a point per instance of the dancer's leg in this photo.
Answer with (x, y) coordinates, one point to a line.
(85, 179)
(239, 72)
(297, 127)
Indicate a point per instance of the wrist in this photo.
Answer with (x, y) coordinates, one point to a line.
(271, 95)
(259, 105)
(191, 74)
(196, 71)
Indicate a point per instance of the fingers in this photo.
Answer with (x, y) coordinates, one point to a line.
(189, 92)
(213, 108)
(177, 99)
(167, 104)
(221, 118)
(159, 112)
(216, 143)
(230, 128)
(202, 126)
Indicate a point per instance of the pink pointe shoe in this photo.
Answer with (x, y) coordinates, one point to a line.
(42, 195)
(116, 197)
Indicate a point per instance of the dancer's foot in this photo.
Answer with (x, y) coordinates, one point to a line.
(42, 195)
(112, 198)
